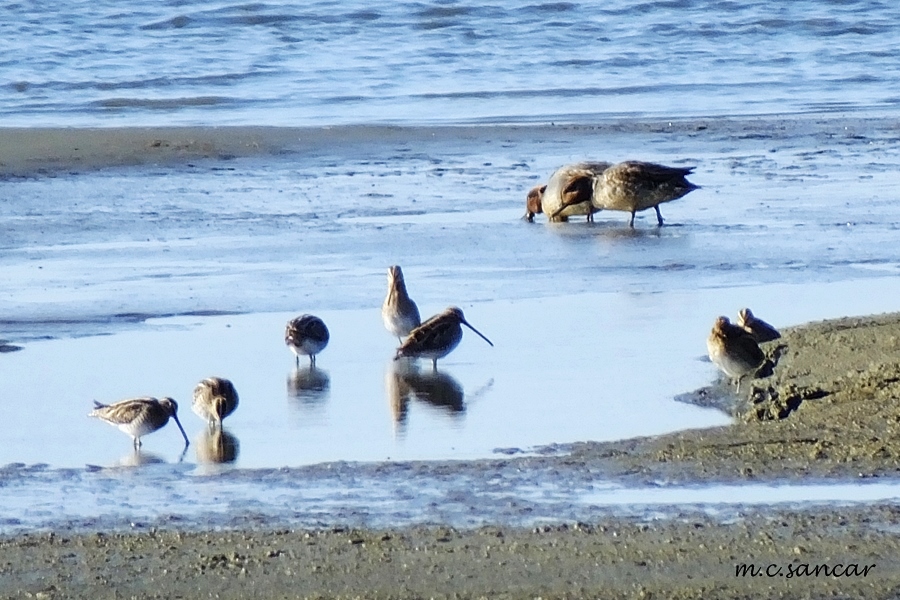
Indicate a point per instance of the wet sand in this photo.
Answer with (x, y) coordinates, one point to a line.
(827, 412)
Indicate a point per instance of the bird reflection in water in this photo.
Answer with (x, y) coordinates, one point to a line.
(404, 382)
(398, 394)
(308, 384)
(217, 446)
(140, 458)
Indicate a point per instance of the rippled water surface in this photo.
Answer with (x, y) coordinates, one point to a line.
(111, 62)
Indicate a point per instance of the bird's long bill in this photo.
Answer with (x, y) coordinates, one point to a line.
(177, 422)
(481, 335)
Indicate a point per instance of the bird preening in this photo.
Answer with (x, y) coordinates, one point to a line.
(735, 350)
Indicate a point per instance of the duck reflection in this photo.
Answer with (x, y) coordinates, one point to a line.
(217, 446)
(308, 384)
(441, 390)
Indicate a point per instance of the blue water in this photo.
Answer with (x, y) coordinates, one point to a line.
(122, 62)
(787, 111)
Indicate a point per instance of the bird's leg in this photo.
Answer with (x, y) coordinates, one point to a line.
(590, 218)
(312, 360)
(434, 365)
(659, 218)
(738, 390)
(631, 222)
(297, 360)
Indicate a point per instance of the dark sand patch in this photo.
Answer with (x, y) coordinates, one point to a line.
(688, 557)
(841, 378)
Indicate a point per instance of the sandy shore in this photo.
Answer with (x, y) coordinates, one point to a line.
(828, 410)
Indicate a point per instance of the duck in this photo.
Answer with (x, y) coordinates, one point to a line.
(567, 193)
(632, 186)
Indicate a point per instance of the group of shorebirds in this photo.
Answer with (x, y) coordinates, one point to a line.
(579, 189)
(735, 348)
(633, 186)
(215, 398)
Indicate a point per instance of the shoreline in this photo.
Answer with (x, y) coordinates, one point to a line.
(27, 152)
(840, 377)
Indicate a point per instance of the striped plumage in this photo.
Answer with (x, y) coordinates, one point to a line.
(399, 312)
(734, 351)
(139, 416)
(214, 399)
(759, 329)
(307, 336)
(436, 337)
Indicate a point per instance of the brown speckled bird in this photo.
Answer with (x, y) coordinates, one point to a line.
(399, 312)
(307, 336)
(436, 337)
(759, 329)
(214, 399)
(139, 416)
(734, 351)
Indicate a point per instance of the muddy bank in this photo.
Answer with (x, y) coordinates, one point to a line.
(688, 557)
(829, 408)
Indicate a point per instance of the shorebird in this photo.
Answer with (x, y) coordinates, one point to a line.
(306, 335)
(568, 193)
(734, 351)
(214, 399)
(139, 416)
(399, 312)
(759, 329)
(633, 186)
(436, 337)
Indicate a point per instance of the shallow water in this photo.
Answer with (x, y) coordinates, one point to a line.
(138, 259)
(577, 374)
(172, 496)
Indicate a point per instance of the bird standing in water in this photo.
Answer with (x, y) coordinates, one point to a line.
(139, 416)
(307, 336)
(399, 312)
(214, 399)
(437, 337)
(633, 186)
(567, 193)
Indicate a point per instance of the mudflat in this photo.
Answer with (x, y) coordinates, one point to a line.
(828, 410)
